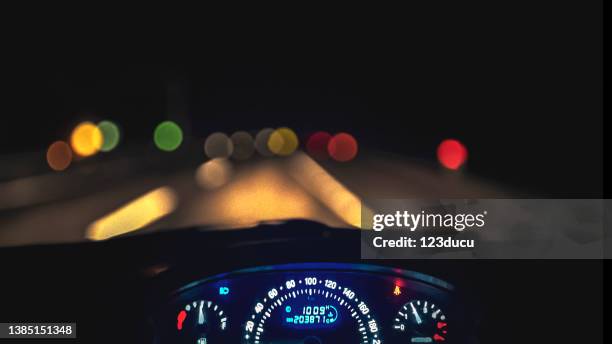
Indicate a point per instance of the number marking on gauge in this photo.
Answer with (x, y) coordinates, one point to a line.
(319, 301)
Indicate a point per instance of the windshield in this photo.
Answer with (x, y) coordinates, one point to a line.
(97, 150)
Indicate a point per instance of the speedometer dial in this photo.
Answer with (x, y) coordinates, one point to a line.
(421, 321)
(201, 322)
(311, 311)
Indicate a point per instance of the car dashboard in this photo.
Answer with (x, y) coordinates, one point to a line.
(313, 303)
(291, 282)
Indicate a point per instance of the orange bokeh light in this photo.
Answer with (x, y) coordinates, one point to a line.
(59, 155)
(86, 139)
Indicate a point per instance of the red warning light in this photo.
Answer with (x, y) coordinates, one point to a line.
(452, 154)
(342, 147)
(180, 319)
(438, 338)
(441, 324)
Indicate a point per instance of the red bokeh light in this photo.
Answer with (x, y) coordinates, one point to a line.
(317, 143)
(342, 147)
(452, 154)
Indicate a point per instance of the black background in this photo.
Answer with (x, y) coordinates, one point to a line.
(519, 82)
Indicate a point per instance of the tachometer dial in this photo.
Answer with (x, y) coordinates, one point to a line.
(201, 322)
(421, 321)
(311, 311)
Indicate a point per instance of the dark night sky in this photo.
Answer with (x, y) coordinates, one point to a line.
(520, 84)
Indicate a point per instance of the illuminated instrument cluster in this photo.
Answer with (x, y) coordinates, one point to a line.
(313, 304)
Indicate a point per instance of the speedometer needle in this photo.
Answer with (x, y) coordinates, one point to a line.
(201, 317)
(416, 314)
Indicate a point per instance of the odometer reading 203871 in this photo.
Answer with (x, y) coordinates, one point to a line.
(310, 310)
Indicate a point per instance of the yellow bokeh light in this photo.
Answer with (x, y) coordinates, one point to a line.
(86, 139)
(283, 141)
(138, 213)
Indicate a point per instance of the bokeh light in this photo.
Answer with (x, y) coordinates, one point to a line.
(342, 147)
(452, 154)
(110, 135)
(261, 142)
(218, 145)
(214, 173)
(59, 155)
(316, 145)
(168, 136)
(283, 141)
(244, 145)
(86, 139)
(134, 215)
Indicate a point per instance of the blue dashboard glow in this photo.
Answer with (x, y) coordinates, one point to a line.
(296, 303)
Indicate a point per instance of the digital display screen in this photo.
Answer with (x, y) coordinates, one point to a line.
(310, 315)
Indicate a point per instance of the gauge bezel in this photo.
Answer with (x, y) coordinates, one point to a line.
(395, 272)
(329, 267)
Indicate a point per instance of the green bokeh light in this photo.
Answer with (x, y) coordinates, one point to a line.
(110, 132)
(168, 136)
